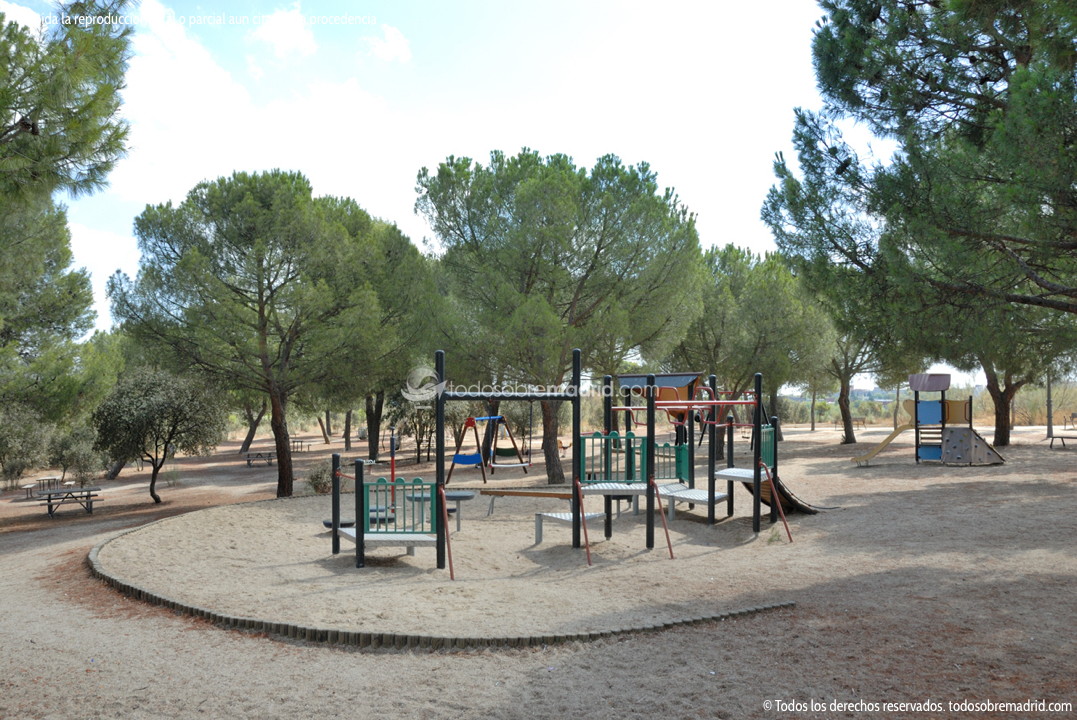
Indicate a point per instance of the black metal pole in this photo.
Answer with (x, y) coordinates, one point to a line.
(712, 454)
(577, 420)
(361, 516)
(336, 503)
(652, 448)
(439, 450)
(607, 404)
(757, 427)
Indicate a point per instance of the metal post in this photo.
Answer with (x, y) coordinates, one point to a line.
(607, 404)
(757, 427)
(362, 518)
(439, 450)
(729, 462)
(577, 419)
(712, 454)
(336, 503)
(652, 448)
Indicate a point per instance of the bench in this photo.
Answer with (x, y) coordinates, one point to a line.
(679, 492)
(267, 456)
(494, 494)
(858, 422)
(561, 517)
(1063, 438)
(1072, 420)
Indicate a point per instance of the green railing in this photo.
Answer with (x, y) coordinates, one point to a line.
(623, 459)
(400, 507)
(768, 446)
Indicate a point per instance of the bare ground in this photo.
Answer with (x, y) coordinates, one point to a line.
(925, 583)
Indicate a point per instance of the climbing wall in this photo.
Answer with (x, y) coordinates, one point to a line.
(964, 446)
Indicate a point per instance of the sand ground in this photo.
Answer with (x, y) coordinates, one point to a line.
(925, 583)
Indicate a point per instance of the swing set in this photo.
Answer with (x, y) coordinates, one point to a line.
(499, 457)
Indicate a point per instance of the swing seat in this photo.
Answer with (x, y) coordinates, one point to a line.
(467, 459)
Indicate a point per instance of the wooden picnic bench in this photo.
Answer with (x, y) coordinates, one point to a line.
(1063, 438)
(494, 494)
(265, 455)
(55, 497)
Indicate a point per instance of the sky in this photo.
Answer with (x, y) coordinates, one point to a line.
(359, 96)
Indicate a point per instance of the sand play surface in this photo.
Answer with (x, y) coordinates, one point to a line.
(946, 584)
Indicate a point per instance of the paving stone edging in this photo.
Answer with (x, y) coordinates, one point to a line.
(399, 641)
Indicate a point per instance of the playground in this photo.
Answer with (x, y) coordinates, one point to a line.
(947, 582)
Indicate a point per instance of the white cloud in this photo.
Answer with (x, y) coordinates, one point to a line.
(20, 14)
(391, 46)
(102, 253)
(286, 31)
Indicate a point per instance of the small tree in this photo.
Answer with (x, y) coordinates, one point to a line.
(73, 450)
(152, 415)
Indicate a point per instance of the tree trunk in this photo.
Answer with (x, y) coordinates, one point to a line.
(348, 431)
(114, 470)
(813, 395)
(897, 405)
(374, 405)
(773, 411)
(253, 421)
(555, 474)
(846, 411)
(325, 432)
(328, 424)
(155, 468)
(1050, 409)
(1002, 397)
(492, 408)
(279, 423)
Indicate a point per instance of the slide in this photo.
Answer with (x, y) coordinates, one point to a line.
(790, 502)
(863, 459)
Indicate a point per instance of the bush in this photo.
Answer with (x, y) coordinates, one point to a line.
(320, 478)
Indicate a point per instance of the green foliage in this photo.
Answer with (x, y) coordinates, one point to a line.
(44, 307)
(152, 414)
(756, 318)
(545, 256)
(981, 98)
(250, 280)
(73, 450)
(542, 256)
(23, 440)
(60, 100)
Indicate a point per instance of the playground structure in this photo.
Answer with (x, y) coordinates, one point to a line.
(622, 466)
(395, 513)
(943, 428)
(414, 513)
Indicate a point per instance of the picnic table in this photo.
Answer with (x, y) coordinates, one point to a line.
(267, 456)
(55, 497)
(456, 496)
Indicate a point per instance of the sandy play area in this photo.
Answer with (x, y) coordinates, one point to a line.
(924, 584)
